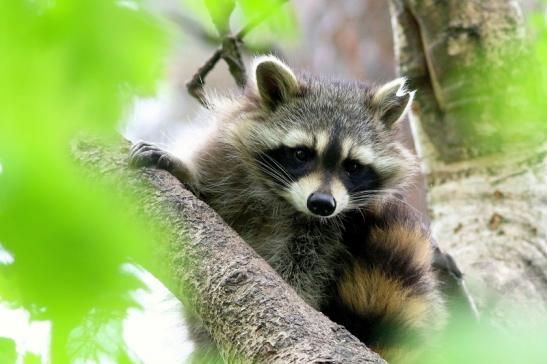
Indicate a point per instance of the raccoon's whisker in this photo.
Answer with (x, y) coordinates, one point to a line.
(376, 191)
(362, 209)
(280, 167)
(375, 195)
(267, 169)
(362, 214)
(362, 204)
(265, 166)
(280, 173)
(364, 199)
(220, 185)
(338, 222)
(366, 195)
(274, 175)
(217, 187)
(418, 212)
(379, 197)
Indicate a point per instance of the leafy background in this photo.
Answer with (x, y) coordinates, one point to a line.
(69, 66)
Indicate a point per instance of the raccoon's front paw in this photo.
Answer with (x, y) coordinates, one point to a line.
(145, 154)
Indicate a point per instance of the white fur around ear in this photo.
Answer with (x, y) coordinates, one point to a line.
(392, 101)
(272, 80)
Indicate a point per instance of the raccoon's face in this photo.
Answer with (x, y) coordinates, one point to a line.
(325, 146)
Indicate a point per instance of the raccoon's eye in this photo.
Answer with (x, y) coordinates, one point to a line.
(352, 166)
(302, 154)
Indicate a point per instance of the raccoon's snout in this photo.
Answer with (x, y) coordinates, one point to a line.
(321, 204)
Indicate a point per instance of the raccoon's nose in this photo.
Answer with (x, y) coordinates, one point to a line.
(321, 204)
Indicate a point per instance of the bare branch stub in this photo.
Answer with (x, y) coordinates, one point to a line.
(195, 85)
(230, 52)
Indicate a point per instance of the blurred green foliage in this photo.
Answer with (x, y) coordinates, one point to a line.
(8, 354)
(281, 22)
(471, 342)
(277, 18)
(68, 66)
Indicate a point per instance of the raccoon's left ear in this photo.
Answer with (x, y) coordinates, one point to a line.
(274, 81)
(392, 100)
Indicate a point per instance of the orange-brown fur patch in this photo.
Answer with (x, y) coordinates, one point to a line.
(402, 237)
(372, 292)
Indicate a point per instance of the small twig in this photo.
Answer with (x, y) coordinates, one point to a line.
(195, 85)
(230, 51)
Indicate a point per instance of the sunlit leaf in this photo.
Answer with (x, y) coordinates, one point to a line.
(67, 66)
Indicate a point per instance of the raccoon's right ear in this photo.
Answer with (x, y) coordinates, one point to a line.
(274, 81)
(392, 100)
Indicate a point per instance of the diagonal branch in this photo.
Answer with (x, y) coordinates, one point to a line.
(253, 315)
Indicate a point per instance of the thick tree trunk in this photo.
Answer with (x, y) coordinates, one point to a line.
(488, 206)
(253, 315)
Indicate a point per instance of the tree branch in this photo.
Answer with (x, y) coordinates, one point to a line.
(195, 85)
(252, 314)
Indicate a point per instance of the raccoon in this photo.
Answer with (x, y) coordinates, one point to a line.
(309, 173)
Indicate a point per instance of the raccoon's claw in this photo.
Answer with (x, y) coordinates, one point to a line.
(143, 154)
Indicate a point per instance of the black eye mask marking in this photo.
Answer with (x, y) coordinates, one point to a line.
(284, 164)
(359, 178)
(352, 167)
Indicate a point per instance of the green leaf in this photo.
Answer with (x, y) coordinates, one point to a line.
(68, 66)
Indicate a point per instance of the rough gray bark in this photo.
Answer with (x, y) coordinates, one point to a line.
(253, 315)
(488, 207)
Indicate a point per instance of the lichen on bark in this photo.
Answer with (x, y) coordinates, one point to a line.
(486, 184)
